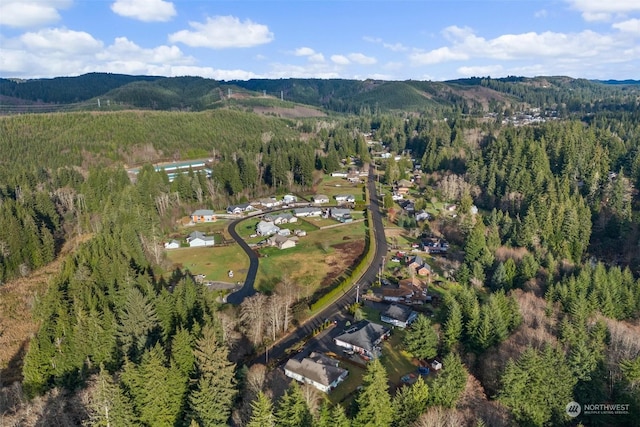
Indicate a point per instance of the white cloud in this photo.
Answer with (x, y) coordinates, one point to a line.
(361, 59)
(542, 13)
(30, 13)
(395, 47)
(630, 26)
(480, 70)
(311, 54)
(125, 50)
(603, 10)
(222, 32)
(145, 10)
(436, 56)
(340, 59)
(55, 41)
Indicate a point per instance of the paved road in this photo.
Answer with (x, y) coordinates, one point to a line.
(336, 311)
(247, 288)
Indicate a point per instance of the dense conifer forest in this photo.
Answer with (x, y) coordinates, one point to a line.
(542, 306)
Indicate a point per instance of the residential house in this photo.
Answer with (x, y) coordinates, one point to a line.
(398, 315)
(284, 232)
(198, 239)
(238, 209)
(422, 215)
(396, 196)
(318, 370)
(203, 215)
(320, 198)
(173, 244)
(289, 198)
(415, 261)
(280, 218)
(364, 338)
(345, 198)
(310, 212)
(269, 202)
(342, 215)
(424, 270)
(339, 174)
(282, 242)
(435, 246)
(265, 228)
(402, 291)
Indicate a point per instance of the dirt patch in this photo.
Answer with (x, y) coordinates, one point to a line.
(17, 324)
(290, 113)
(345, 256)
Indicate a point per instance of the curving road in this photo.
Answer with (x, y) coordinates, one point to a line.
(247, 288)
(336, 310)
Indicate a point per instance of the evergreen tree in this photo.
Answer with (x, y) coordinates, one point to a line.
(452, 330)
(537, 387)
(421, 339)
(108, 406)
(409, 403)
(212, 400)
(374, 402)
(262, 412)
(293, 410)
(450, 382)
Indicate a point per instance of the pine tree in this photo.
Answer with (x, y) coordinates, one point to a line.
(108, 405)
(211, 401)
(410, 402)
(450, 382)
(421, 339)
(262, 412)
(374, 401)
(293, 410)
(453, 325)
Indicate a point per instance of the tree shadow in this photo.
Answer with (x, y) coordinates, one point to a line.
(13, 371)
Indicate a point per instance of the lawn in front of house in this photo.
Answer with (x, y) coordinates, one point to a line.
(214, 262)
(346, 389)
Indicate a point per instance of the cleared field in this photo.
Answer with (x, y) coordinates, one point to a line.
(214, 262)
(318, 259)
(331, 186)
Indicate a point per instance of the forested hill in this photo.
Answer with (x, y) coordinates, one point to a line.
(467, 96)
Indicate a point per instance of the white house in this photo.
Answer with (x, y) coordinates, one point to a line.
(320, 198)
(310, 212)
(289, 198)
(270, 202)
(423, 215)
(345, 198)
(342, 215)
(198, 239)
(173, 244)
(282, 242)
(280, 218)
(317, 370)
(265, 228)
(398, 315)
(238, 209)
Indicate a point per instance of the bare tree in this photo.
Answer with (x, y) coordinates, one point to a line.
(438, 416)
(252, 316)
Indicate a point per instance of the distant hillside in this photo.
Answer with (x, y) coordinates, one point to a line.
(468, 96)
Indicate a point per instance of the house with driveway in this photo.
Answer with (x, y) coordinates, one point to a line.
(318, 370)
(398, 315)
(320, 198)
(364, 338)
(198, 239)
(310, 212)
(239, 209)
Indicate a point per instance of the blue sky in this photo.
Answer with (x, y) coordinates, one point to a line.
(351, 39)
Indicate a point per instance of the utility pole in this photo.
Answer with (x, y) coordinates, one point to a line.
(357, 293)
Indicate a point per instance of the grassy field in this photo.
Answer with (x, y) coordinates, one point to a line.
(331, 186)
(214, 262)
(319, 257)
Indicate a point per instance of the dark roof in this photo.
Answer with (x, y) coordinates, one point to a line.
(397, 312)
(365, 336)
(315, 370)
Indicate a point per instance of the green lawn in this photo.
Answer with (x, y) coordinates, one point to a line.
(344, 392)
(397, 361)
(331, 186)
(215, 262)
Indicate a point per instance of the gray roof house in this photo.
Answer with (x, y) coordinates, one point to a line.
(197, 239)
(398, 315)
(364, 338)
(265, 228)
(320, 371)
